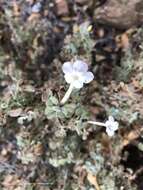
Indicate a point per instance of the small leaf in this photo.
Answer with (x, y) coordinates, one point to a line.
(49, 112)
(68, 110)
(54, 100)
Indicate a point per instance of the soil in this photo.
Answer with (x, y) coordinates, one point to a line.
(45, 145)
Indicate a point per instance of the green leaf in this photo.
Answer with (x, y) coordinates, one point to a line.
(54, 100)
(68, 110)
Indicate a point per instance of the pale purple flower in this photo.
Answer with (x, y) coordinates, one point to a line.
(111, 125)
(77, 73)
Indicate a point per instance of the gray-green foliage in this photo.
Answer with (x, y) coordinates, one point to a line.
(96, 162)
(124, 114)
(54, 110)
(81, 41)
(124, 71)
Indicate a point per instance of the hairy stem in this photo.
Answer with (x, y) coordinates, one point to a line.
(67, 94)
(97, 123)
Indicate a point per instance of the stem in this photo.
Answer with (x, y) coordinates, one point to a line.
(97, 123)
(67, 94)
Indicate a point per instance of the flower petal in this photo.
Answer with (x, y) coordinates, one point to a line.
(88, 77)
(108, 123)
(109, 132)
(78, 84)
(67, 67)
(80, 66)
(111, 118)
(68, 78)
(115, 126)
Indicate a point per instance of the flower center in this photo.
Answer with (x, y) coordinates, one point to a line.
(75, 77)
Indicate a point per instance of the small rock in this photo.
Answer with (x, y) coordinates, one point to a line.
(33, 17)
(62, 7)
(81, 1)
(15, 112)
(120, 14)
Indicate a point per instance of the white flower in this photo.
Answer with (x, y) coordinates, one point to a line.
(111, 125)
(76, 74)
